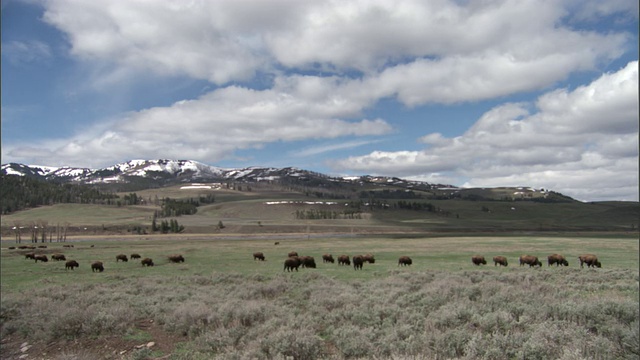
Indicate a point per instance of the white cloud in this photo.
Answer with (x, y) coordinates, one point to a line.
(575, 140)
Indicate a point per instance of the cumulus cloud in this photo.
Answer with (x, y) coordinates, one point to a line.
(574, 139)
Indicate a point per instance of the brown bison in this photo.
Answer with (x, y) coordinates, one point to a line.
(258, 256)
(478, 260)
(501, 260)
(42, 246)
(146, 262)
(307, 262)
(328, 258)
(67, 246)
(12, 247)
(344, 260)
(369, 258)
(97, 266)
(276, 243)
(292, 254)
(590, 260)
(71, 264)
(31, 256)
(530, 260)
(58, 257)
(42, 258)
(22, 247)
(557, 259)
(358, 261)
(404, 261)
(291, 263)
(135, 256)
(122, 257)
(176, 258)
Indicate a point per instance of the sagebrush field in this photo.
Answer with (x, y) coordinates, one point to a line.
(221, 303)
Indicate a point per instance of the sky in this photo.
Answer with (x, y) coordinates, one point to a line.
(535, 93)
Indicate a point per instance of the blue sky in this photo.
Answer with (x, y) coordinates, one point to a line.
(492, 93)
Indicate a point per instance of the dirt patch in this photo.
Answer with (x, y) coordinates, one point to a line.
(148, 334)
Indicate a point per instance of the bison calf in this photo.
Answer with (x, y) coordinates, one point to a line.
(404, 261)
(557, 259)
(589, 259)
(71, 264)
(97, 266)
(478, 260)
(146, 262)
(258, 256)
(501, 260)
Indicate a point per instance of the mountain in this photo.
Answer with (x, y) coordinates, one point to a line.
(165, 172)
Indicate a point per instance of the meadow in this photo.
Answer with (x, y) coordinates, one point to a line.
(221, 303)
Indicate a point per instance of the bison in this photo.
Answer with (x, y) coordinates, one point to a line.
(291, 263)
(328, 258)
(292, 254)
(530, 260)
(258, 256)
(31, 256)
(11, 247)
(122, 257)
(146, 262)
(276, 243)
(344, 260)
(97, 266)
(176, 258)
(42, 246)
(67, 246)
(369, 258)
(71, 264)
(135, 256)
(404, 261)
(478, 260)
(557, 259)
(307, 262)
(589, 259)
(58, 257)
(500, 260)
(358, 260)
(42, 258)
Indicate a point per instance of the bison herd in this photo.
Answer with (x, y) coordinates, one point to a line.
(553, 259)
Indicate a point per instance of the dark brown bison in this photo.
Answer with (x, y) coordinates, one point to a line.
(478, 260)
(122, 257)
(291, 263)
(328, 258)
(12, 247)
(307, 262)
(557, 259)
(358, 260)
(530, 260)
(58, 257)
(146, 262)
(71, 264)
(135, 256)
(31, 256)
(67, 246)
(258, 256)
(276, 243)
(501, 260)
(42, 246)
(344, 260)
(292, 254)
(404, 261)
(42, 258)
(369, 258)
(589, 259)
(22, 247)
(176, 258)
(97, 266)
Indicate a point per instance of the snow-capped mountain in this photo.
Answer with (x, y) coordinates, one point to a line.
(172, 171)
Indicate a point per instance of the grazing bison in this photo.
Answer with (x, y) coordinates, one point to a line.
(291, 263)
(530, 260)
(67, 246)
(122, 257)
(71, 264)
(590, 260)
(500, 260)
(42, 258)
(42, 246)
(557, 259)
(369, 258)
(31, 256)
(22, 247)
(344, 260)
(307, 262)
(97, 266)
(146, 262)
(135, 256)
(258, 256)
(176, 258)
(328, 258)
(404, 261)
(478, 260)
(58, 257)
(358, 260)
(276, 243)
(12, 247)
(292, 254)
